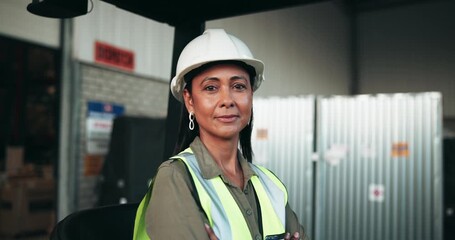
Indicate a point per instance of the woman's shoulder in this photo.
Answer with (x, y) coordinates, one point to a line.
(172, 165)
(174, 174)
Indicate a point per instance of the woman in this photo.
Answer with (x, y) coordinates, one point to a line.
(210, 189)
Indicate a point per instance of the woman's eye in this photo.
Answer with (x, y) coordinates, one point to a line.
(210, 88)
(240, 86)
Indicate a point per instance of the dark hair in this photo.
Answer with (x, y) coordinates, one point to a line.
(186, 136)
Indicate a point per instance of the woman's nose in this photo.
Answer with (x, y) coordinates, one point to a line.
(227, 99)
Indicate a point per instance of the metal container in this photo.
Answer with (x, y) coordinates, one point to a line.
(379, 174)
(282, 141)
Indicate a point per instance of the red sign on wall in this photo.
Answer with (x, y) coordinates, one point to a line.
(114, 56)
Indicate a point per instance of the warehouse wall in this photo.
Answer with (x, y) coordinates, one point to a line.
(409, 49)
(306, 49)
(150, 41)
(18, 23)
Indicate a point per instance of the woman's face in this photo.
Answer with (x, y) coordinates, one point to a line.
(221, 100)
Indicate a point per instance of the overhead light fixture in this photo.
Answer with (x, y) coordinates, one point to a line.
(58, 8)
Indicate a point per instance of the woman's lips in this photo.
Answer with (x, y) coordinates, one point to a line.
(227, 118)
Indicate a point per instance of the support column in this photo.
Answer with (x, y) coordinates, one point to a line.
(67, 168)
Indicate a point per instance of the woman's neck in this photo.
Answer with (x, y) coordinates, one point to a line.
(224, 152)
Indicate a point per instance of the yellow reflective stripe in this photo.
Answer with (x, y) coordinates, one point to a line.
(204, 198)
(271, 224)
(188, 150)
(140, 232)
(239, 227)
(277, 181)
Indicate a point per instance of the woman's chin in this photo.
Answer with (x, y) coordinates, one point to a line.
(225, 133)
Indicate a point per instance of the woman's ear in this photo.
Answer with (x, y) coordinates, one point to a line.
(188, 100)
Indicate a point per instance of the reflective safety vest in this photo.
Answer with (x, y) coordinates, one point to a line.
(224, 215)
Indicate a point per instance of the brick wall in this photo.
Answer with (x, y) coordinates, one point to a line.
(140, 96)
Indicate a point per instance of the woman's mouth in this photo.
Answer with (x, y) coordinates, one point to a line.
(227, 118)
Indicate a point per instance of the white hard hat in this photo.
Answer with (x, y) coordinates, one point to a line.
(213, 45)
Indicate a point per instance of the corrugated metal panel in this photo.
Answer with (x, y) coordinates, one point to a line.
(379, 174)
(282, 141)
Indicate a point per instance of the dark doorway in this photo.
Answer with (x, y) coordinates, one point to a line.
(29, 110)
(449, 186)
(28, 101)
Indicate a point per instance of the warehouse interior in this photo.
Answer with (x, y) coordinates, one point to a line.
(55, 84)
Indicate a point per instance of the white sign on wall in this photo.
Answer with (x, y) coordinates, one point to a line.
(376, 192)
(100, 117)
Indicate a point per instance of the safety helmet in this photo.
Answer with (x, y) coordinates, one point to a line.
(213, 45)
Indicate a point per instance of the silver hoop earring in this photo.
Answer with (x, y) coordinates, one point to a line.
(191, 123)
